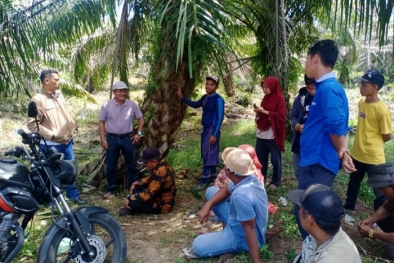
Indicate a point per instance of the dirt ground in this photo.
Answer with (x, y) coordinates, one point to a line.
(160, 238)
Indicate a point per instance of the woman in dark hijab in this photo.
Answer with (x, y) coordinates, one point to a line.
(270, 132)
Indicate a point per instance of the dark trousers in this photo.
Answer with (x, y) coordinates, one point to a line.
(142, 207)
(354, 184)
(263, 149)
(115, 145)
(312, 174)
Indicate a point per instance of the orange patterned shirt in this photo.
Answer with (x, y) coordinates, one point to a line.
(160, 187)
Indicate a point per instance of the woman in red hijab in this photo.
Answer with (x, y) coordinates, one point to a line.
(270, 133)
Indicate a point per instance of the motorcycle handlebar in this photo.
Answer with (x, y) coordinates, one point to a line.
(18, 152)
(10, 152)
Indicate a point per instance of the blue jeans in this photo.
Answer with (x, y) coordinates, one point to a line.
(312, 174)
(222, 242)
(72, 192)
(115, 145)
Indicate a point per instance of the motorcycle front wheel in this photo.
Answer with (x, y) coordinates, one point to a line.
(107, 241)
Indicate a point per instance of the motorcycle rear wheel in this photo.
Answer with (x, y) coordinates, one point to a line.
(107, 240)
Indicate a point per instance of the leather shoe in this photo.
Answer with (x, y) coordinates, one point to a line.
(78, 201)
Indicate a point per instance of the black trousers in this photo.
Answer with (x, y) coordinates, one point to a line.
(142, 207)
(354, 184)
(264, 148)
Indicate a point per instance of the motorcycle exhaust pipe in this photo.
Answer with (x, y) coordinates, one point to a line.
(19, 245)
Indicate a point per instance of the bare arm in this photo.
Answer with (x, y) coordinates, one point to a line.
(340, 144)
(380, 213)
(388, 237)
(220, 196)
(140, 123)
(387, 137)
(364, 226)
(140, 126)
(250, 231)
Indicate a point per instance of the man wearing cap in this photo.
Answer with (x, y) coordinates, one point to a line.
(299, 114)
(373, 130)
(212, 117)
(320, 215)
(382, 178)
(55, 123)
(154, 194)
(241, 206)
(115, 129)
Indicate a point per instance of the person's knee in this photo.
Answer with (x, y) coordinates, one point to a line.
(197, 246)
(211, 191)
(389, 250)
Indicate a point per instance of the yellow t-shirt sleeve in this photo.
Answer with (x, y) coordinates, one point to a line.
(385, 121)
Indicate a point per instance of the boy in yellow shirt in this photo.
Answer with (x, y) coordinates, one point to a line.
(373, 129)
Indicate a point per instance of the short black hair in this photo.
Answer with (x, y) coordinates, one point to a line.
(45, 73)
(327, 50)
(331, 227)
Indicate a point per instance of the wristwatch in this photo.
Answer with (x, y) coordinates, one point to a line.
(139, 133)
(370, 233)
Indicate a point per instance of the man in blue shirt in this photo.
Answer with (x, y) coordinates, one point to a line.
(212, 117)
(241, 206)
(324, 142)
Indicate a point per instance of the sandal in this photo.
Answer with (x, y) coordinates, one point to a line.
(189, 253)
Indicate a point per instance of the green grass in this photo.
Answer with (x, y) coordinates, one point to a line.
(243, 132)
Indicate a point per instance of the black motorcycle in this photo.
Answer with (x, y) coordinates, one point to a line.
(84, 234)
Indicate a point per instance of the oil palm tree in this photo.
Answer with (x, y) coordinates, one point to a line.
(183, 37)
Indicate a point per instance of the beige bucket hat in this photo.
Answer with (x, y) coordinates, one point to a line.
(238, 161)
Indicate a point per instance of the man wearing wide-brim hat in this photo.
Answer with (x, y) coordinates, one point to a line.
(242, 207)
(382, 178)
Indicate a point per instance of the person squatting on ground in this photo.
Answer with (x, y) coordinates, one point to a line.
(241, 207)
(382, 178)
(212, 117)
(320, 215)
(154, 194)
(323, 141)
(115, 129)
(55, 123)
(270, 132)
(299, 114)
(373, 130)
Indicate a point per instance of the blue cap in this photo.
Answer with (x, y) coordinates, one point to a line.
(320, 201)
(373, 76)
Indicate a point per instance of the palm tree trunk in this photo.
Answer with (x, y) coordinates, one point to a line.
(163, 110)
